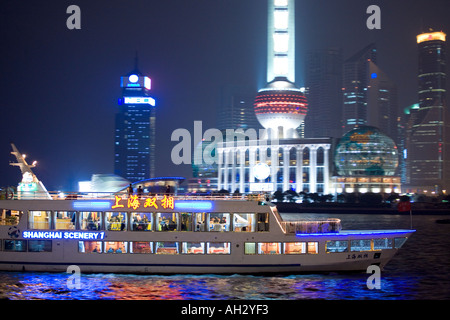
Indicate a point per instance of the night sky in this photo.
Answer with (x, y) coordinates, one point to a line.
(59, 87)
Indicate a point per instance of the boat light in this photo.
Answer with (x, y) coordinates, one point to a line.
(81, 204)
(384, 233)
(193, 205)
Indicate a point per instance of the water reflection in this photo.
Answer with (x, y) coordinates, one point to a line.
(35, 286)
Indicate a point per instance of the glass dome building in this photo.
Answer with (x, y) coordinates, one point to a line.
(366, 151)
(366, 160)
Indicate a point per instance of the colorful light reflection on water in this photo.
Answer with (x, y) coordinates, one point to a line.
(35, 286)
(418, 271)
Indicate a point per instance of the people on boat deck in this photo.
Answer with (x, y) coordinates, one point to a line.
(130, 190)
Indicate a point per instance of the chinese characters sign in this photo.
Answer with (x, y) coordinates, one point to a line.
(134, 202)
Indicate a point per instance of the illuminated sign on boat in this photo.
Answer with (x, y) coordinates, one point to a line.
(134, 202)
(71, 235)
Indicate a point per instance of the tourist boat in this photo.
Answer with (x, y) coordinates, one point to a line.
(122, 233)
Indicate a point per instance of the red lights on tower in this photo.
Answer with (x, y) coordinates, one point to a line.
(277, 102)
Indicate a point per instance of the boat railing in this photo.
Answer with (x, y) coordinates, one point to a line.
(330, 225)
(57, 195)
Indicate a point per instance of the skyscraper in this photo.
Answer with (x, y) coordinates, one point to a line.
(355, 84)
(428, 146)
(382, 106)
(324, 93)
(236, 108)
(135, 129)
(369, 95)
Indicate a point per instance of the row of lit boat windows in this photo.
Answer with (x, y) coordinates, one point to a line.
(364, 245)
(168, 247)
(148, 221)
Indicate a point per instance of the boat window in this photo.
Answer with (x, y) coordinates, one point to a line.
(167, 221)
(116, 221)
(250, 248)
(313, 247)
(39, 219)
(360, 245)
(141, 221)
(294, 247)
(219, 222)
(40, 245)
(185, 221)
(218, 247)
(269, 248)
(380, 244)
(244, 222)
(115, 247)
(90, 220)
(200, 221)
(193, 247)
(65, 220)
(166, 247)
(263, 221)
(141, 247)
(9, 217)
(398, 242)
(336, 246)
(16, 245)
(90, 246)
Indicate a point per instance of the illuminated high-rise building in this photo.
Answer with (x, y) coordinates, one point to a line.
(355, 84)
(382, 102)
(428, 144)
(236, 108)
(369, 95)
(324, 93)
(135, 129)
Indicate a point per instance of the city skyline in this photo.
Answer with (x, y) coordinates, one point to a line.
(51, 73)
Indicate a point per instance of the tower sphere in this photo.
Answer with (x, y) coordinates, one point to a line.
(281, 105)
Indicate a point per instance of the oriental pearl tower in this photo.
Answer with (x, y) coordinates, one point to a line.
(281, 106)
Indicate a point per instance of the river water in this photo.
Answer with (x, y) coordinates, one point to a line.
(420, 271)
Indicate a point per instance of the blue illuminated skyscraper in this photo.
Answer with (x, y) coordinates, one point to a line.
(134, 157)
